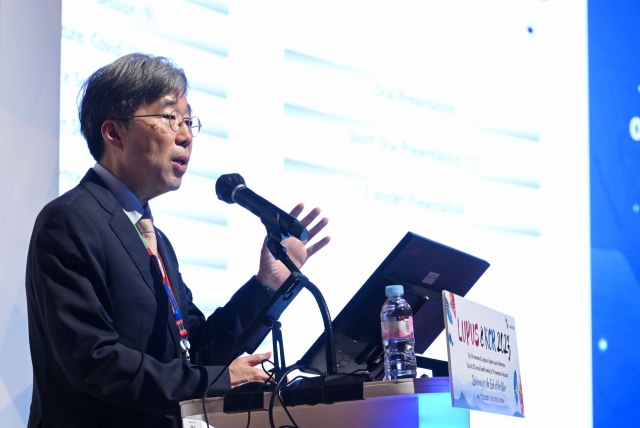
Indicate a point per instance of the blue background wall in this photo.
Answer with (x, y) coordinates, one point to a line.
(614, 99)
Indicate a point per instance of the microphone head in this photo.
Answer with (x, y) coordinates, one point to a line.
(225, 186)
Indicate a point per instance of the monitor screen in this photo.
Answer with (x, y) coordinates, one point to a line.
(425, 268)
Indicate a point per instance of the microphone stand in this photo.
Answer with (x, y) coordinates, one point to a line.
(324, 389)
(279, 252)
(331, 387)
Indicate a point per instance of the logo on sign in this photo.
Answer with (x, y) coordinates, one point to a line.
(509, 326)
(517, 391)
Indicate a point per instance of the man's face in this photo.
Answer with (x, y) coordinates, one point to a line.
(155, 157)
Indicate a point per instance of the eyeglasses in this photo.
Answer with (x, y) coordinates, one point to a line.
(175, 120)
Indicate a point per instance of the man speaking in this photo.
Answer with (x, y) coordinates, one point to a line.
(115, 338)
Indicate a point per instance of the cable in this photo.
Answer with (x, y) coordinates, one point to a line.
(206, 391)
(296, 378)
(284, 406)
(288, 384)
(276, 392)
(257, 390)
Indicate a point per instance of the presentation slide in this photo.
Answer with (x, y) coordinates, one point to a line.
(390, 116)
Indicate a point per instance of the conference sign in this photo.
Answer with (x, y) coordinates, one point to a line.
(484, 371)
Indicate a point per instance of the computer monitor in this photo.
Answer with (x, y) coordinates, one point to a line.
(425, 268)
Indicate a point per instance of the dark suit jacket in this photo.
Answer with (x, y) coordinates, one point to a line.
(104, 343)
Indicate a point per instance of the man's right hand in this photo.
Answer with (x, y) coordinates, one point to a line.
(243, 369)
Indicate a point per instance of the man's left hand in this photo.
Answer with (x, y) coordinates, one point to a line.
(272, 272)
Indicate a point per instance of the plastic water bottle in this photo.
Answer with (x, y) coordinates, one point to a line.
(397, 335)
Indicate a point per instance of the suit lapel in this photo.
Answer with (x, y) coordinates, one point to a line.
(126, 233)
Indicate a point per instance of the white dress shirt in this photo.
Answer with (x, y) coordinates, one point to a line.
(125, 197)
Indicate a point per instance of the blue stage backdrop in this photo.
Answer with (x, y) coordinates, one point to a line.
(614, 98)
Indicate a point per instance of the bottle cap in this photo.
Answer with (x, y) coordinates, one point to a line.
(394, 290)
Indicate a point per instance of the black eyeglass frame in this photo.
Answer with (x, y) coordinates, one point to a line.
(168, 117)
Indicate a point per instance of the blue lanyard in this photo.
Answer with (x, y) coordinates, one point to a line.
(157, 262)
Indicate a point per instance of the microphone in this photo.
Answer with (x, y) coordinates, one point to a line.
(231, 188)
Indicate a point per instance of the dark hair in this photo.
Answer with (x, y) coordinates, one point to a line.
(120, 88)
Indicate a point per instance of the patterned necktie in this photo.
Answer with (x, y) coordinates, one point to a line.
(145, 226)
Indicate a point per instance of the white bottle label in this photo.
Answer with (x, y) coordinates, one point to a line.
(397, 329)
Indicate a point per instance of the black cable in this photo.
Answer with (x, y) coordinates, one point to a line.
(206, 391)
(257, 390)
(276, 392)
(296, 378)
(284, 406)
